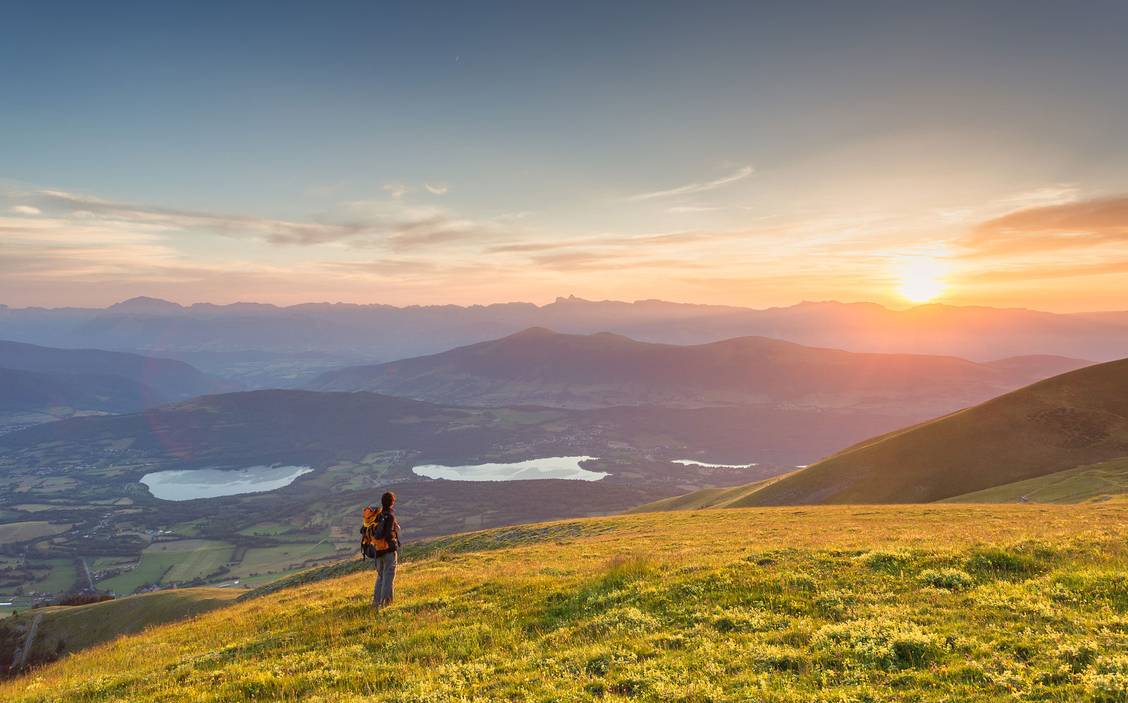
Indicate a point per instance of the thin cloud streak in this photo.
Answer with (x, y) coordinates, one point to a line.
(689, 188)
(662, 238)
(400, 229)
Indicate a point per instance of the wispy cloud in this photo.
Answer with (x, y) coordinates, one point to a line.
(383, 267)
(738, 175)
(1071, 225)
(620, 240)
(436, 188)
(396, 190)
(361, 223)
(1044, 196)
(602, 261)
(691, 209)
(25, 210)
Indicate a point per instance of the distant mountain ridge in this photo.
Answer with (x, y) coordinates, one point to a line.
(542, 367)
(385, 332)
(36, 378)
(32, 391)
(1076, 419)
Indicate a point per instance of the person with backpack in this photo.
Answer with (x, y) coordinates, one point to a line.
(379, 539)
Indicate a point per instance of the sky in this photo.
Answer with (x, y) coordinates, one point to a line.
(747, 153)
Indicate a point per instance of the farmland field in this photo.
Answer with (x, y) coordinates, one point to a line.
(171, 562)
(21, 531)
(57, 575)
(266, 560)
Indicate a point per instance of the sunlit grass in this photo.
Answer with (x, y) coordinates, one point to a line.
(903, 603)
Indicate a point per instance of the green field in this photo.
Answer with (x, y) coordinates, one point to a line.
(270, 560)
(24, 531)
(181, 561)
(1095, 482)
(57, 575)
(936, 603)
(107, 562)
(171, 562)
(37, 507)
(199, 562)
(267, 529)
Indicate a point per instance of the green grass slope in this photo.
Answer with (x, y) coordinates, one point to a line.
(82, 626)
(706, 498)
(1084, 483)
(783, 605)
(1071, 420)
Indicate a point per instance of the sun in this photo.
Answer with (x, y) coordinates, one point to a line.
(921, 278)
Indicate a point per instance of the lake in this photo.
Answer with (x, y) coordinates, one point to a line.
(189, 484)
(562, 467)
(694, 462)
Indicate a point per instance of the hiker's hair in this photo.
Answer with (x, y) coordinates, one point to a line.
(388, 500)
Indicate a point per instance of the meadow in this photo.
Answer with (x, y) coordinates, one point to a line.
(779, 605)
(1079, 484)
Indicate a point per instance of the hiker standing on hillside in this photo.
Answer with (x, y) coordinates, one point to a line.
(382, 544)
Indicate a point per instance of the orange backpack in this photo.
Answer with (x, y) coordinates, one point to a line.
(369, 544)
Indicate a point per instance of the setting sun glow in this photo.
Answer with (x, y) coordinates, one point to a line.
(921, 278)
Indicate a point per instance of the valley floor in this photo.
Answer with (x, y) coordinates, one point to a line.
(843, 603)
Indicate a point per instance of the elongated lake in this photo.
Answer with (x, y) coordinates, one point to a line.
(695, 462)
(189, 484)
(561, 467)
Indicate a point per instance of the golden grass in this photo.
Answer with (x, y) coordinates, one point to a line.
(838, 603)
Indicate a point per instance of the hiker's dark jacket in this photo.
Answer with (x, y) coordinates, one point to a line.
(387, 529)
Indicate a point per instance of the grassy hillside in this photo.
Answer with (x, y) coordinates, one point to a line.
(1071, 420)
(65, 629)
(910, 603)
(539, 366)
(1084, 483)
(706, 498)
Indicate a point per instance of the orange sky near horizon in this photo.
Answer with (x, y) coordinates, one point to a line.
(1052, 249)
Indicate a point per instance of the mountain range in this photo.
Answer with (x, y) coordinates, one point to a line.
(538, 366)
(375, 333)
(49, 382)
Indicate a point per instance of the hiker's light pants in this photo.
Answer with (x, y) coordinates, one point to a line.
(385, 578)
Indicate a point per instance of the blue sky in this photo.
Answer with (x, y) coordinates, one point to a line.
(748, 153)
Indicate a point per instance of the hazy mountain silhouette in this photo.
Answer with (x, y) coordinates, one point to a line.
(36, 378)
(542, 367)
(31, 391)
(385, 333)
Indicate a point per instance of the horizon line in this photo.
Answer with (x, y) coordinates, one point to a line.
(157, 301)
